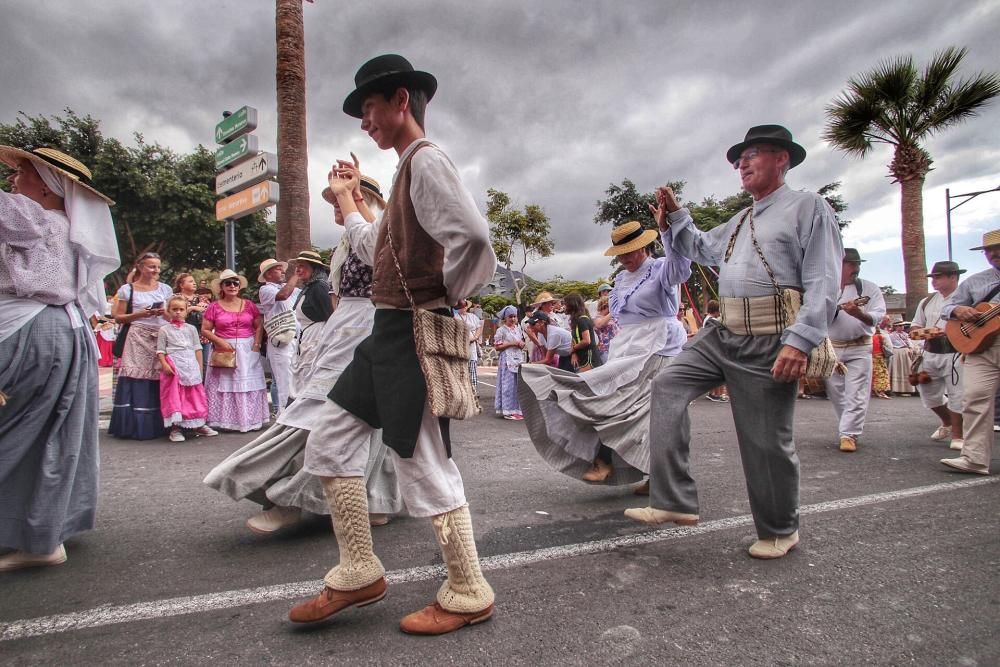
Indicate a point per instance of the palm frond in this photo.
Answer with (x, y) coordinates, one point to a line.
(962, 101)
(933, 85)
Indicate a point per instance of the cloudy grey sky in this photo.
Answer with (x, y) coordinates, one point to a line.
(548, 100)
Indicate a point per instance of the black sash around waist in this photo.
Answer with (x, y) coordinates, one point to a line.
(384, 385)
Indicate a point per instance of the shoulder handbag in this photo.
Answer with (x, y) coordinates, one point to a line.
(443, 352)
(822, 360)
(280, 328)
(119, 347)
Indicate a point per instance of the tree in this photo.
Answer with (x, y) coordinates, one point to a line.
(494, 303)
(623, 203)
(517, 234)
(293, 178)
(165, 201)
(561, 286)
(835, 200)
(895, 104)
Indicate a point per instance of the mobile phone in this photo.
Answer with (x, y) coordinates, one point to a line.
(158, 304)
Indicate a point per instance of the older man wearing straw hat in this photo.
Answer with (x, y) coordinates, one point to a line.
(982, 369)
(277, 297)
(787, 240)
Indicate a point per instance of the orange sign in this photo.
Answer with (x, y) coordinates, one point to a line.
(247, 201)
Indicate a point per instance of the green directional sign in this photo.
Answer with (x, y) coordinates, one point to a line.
(241, 122)
(236, 150)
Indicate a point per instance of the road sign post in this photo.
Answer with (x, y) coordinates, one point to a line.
(247, 174)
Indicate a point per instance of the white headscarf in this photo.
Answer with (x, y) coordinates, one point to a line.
(92, 232)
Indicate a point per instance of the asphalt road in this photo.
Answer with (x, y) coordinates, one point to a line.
(898, 564)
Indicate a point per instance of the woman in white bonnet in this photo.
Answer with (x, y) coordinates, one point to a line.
(57, 243)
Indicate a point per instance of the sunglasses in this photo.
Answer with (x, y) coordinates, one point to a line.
(230, 283)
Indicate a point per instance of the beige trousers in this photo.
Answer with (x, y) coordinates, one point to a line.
(980, 378)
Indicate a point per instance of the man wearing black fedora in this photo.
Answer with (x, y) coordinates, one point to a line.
(787, 240)
(851, 334)
(942, 395)
(981, 377)
(433, 237)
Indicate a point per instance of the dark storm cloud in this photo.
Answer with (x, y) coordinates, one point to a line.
(548, 101)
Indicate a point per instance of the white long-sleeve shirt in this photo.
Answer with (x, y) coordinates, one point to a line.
(447, 212)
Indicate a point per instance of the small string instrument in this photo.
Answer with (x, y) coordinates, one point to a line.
(976, 336)
(860, 301)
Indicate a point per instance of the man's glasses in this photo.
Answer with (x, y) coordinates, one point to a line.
(230, 283)
(749, 155)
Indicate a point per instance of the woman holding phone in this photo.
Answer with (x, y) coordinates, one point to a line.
(136, 412)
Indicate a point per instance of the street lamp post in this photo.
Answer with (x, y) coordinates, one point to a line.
(968, 197)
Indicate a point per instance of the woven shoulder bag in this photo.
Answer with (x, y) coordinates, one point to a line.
(443, 352)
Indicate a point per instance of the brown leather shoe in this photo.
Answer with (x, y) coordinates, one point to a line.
(599, 472)
(436, 620)
(331, 601)
(848, 444)
(642, 489)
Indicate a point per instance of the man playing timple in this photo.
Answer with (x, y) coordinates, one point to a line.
(758, 354)
(851, 332)
(943, 394)
(443, 249)
(981, 375)
(276, 296)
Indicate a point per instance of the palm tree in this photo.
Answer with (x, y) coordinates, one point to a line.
(894, 104)
(293, 206)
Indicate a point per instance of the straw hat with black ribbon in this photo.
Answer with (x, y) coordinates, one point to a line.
(629, 238)
(56, 160)
(227, 275)
(311, 257)
(368, 184)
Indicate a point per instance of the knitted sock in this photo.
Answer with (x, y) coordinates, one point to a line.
(465, 590)
(359, 566)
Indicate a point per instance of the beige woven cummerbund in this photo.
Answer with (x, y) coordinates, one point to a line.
(860, 340)
(756, 316)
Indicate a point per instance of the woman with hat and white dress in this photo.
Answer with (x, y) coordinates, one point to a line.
(595, 425)
(58, 245)
(312, 309)
(268, 470)
(237, 397)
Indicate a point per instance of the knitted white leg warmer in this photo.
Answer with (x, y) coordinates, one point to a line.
(359, 566)
(465, 590)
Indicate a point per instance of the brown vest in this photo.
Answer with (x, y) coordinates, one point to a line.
(421, 258)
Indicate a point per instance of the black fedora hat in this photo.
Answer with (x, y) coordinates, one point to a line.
(940, 268)
(852, 255)
(776, 135)
(385, 74)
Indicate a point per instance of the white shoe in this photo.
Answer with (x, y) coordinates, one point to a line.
(206, 431)
(941, 434)
(176, 435)
(17, 560)
(957, 443)
(274, 519)
(963, 464)
(996, 428)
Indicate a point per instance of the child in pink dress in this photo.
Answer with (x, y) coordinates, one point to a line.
(182, 396)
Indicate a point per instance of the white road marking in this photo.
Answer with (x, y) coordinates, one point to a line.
(110, 615)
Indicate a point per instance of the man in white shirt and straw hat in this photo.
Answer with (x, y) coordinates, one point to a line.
(277, 297)
(981, 376)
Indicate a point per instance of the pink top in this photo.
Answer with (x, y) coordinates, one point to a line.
(232, 325)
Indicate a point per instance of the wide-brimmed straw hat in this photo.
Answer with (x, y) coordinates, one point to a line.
(629, 237)
(226, 275)
(267, 265)
(543, 297)
(310, 257)
(385, 74)
(990, 239)
(775, 135)
(66, 165)
(940, 268)
(367, 183)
